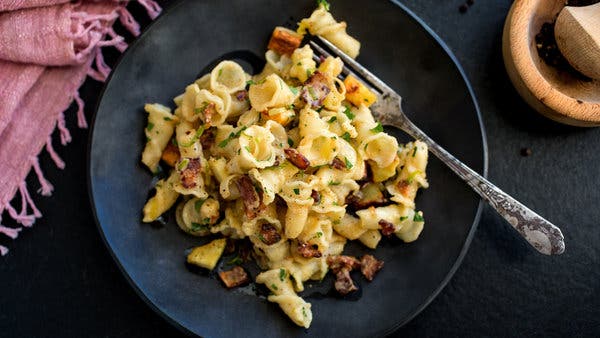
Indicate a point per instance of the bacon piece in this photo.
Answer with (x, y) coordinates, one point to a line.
(403, 187)
(387, 228)
(241, 95)
(315, 196)
(309, 250)
(234, 277)
(171, 154)
(207, 139)
(284, 41)
(296, 158)
(315, 89)
(343, 282)
(338, 164)
(269, 234)
(369, 266)
(339, 262)
(249, 196)
(190, 174)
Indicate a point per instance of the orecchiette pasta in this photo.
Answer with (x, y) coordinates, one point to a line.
(286, 160)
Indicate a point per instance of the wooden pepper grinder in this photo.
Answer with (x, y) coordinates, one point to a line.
(577, 32)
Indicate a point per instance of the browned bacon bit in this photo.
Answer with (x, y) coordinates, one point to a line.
(296, 158)
(284, 40)
(241, 95)
(171, 154)
(338, 164)
(229, 246)
(403, 187)
(308, 250)
(387, 228)
(339, 262)
(343, 282)
(315, 89)
(207, 139)
(189, 175)
(369, 266)
(315, 196)
(249, 196)
(268, 234)
(209, 111)
(234, 277)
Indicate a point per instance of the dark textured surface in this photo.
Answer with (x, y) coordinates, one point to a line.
(59, 280)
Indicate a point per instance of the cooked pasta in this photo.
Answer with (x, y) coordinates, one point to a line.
(288, 159)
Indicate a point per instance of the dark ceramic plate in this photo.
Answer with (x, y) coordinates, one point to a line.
(399, 48)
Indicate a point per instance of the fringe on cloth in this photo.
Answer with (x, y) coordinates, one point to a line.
(29, 212)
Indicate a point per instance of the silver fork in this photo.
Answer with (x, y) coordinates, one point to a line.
(540, 233)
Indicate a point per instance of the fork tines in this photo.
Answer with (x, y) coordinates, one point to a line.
(351, 66)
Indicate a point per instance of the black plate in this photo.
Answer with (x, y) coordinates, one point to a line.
(399, 48)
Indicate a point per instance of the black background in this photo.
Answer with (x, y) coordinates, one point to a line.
(58, 280)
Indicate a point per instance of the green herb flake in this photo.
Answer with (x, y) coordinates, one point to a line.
(198, 227)
(297, 191)
(250, 82)
(148, 139)
(418, 217)
(282, 274)
(235, 261)
(414, 151)
(290, 142)
(319, 234)
(174, 142)
(198, 205)
(183, 164)
(220, 72)
(332, 119)
(248, 149)
(346, 136)
(349, 113)
(150, 126)
(294, 90)
(325, 5)
(167, 118)
(378, 128)
(334, 183)
(274, 287)
(309, 74)
(312, 93)
(403, 218)
(303, 312)
(348, 163)
(290, 107)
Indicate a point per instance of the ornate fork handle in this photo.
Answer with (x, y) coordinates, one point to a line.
(540, 233)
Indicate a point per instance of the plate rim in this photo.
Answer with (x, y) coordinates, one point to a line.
(384, 332)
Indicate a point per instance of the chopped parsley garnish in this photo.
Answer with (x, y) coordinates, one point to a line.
(274, 287)
(334, 183)
(309, 73)
(248, 149)
(348, 163)
(235, 261)
(291, 106)
(418, 217)
(198, 226)
(332, 119)
(150, 126)
(197, 135)
(220, 72)
(282, 274)
(325, 5)
(403, 218)
(167, 118)
(201, 109)
(148, 139)
(296, 191)
(319, 234)
(414, 151)
(250, 82)
(231, 136)
(312, 93)
(174, 141)
(346, 136)
(378, 128)
(412, 176)
(183, 164)
(290, 142)
(294, 90)
(260, 236)
(303, 312)
(349, 113)
(198, 205)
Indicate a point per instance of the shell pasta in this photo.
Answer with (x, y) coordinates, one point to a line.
(285, 161)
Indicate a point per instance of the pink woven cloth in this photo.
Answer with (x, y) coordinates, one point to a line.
(47, 48)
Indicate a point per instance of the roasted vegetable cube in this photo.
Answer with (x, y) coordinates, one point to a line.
(357, 93)
(208, 255)
(284, 41)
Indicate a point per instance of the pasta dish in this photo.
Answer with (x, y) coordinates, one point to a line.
(289, 159)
